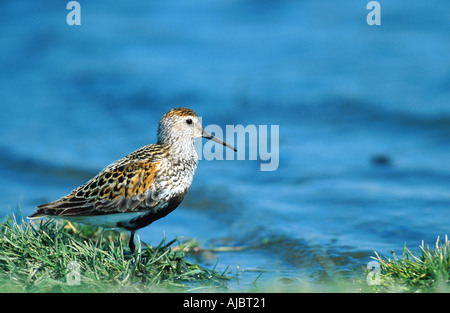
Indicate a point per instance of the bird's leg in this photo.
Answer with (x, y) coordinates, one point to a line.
(131, 242)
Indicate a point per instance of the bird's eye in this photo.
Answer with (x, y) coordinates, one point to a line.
(189, 121)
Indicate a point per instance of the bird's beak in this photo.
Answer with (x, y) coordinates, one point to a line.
(206, 134)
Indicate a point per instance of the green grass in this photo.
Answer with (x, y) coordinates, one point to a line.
(425, 271)
(36, 258)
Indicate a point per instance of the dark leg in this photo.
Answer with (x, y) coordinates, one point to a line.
(131, 242)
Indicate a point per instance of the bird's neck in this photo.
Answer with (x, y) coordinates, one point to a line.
(183, 150)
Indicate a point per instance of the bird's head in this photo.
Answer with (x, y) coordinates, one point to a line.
(183, 125)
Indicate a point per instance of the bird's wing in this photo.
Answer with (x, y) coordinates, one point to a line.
(120, 187)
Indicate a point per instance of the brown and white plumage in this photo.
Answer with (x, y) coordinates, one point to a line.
(142, 187)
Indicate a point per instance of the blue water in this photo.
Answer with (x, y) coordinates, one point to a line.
(344, 94)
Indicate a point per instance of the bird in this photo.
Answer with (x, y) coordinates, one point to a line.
(143, 186)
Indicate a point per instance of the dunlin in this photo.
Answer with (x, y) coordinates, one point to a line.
(142, 187)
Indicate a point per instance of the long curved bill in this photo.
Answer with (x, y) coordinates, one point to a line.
(206, 134)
